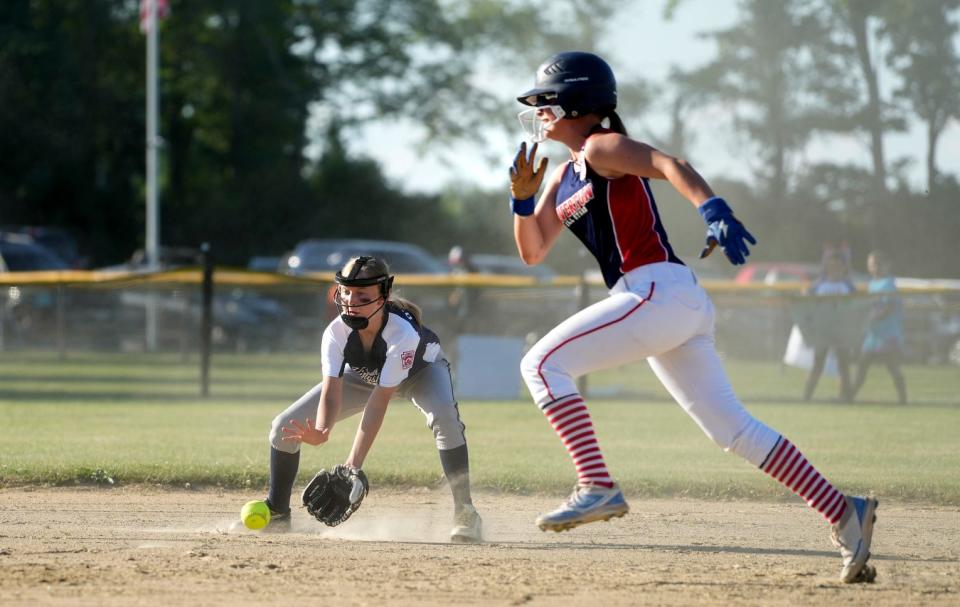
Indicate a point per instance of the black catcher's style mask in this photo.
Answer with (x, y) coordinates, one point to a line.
(385, 282)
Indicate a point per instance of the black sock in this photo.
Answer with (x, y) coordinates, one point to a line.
(283, 473)
(456, 467)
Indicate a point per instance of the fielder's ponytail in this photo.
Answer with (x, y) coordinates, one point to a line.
(408, 306)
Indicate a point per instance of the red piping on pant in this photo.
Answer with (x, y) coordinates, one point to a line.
(579, 335)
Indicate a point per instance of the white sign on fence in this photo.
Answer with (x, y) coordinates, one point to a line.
(488, 367)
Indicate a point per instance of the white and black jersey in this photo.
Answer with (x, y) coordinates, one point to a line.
(401, 348)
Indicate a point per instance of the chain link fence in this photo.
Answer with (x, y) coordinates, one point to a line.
(258, 312)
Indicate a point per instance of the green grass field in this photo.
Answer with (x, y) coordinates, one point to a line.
(138, 419)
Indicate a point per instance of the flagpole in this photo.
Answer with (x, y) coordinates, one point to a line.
(152, 235)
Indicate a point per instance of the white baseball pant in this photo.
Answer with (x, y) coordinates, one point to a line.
(660, 313)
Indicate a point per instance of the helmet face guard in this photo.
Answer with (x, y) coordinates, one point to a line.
(384, 281)
(533, 127)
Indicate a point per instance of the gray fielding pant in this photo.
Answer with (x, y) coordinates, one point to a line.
(430, 390)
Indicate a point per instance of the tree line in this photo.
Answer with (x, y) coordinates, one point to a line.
(248, 85)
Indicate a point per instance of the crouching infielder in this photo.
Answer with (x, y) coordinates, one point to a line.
(376, 348)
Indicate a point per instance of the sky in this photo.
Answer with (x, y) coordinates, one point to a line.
(641, 42)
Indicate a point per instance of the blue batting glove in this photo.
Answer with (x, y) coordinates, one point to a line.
(725, 230)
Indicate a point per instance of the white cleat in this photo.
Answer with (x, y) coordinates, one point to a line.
(467, 526)
(852, 535)
(586, 504)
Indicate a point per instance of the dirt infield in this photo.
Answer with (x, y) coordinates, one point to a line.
(151, 546)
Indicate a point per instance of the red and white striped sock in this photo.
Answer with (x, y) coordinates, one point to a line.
(786, 464)
(571, 421)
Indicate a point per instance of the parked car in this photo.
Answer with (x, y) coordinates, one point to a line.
(26, 311)
(931, 324)
(265, 263)
(54, 239)
(947, 339)
(509, 264)
(21, 253)
(329, 255)
(169, 258)
(243, 318)
(509, 310)
(773, 273)
(770, 273)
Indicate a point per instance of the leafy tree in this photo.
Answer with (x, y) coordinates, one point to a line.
(238, 81)
(71, 81)
(764, 73)
(856, 16)
(353, 199)
(247, 85)
(924, 55)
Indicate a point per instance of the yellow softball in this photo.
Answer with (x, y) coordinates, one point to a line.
(255, 514)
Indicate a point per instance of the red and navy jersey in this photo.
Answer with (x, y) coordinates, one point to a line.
(617, 219)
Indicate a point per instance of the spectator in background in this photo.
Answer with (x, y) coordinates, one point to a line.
(835, 280)
(459, 261)
(840, 249)
(884, 339)
(463, 300)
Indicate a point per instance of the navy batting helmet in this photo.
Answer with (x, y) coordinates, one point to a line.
(580, 83)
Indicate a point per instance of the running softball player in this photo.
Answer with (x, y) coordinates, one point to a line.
(656, 310)
(376, 348)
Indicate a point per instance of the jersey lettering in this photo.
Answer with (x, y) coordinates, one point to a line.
(575, 206)
(617, 220)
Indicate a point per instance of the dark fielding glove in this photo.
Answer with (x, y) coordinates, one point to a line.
(332, 496)
(725, 230)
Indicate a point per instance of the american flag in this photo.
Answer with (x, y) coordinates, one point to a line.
(163, 9)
